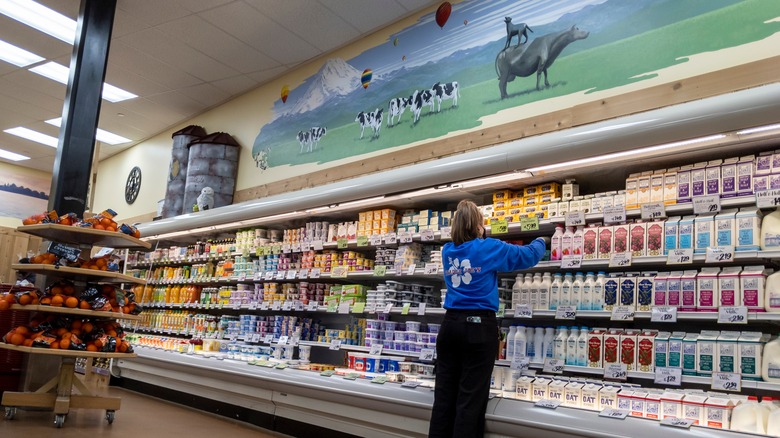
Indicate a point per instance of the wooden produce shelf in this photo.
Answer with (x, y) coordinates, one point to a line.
(65, 353)
(84, 236)
(79, 312)
(78, 273)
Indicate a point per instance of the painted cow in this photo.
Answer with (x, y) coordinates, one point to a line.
(315, 135)
(395, 110)
(304, 139)
(448, 91)
(418, 100)
(371, 120)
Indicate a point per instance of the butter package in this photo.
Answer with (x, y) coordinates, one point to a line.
(693, 408)
(608, 397)
(656, 187)
(671, 232)
(573, 394)
(726, 228)
(676, 349)
(655, 239)
(660, 289)
(706, 347)
(632, 191)
(712, 177)
(684, 184)
(704, 227)
(661, 346)
(727, 355)
(708, 290)
(689, 358)
(751, 346)
(539, 388)
(671, 405)
(717, 412)
(555, 391)
(688, 291)
(728, 178)
(590, 396)
(604, 242)
(685, 233)
(674, 289)
(670, 187)
(523, 388)
(745, 176)
(699, 180)
(730, 290)
(653, 404)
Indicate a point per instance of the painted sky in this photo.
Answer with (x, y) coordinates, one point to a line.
(14, 175)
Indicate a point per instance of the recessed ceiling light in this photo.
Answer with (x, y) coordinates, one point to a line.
(17, 56)
(36, 136)
(8, 155)
(60, 73)
(40, 17)
(101, 135)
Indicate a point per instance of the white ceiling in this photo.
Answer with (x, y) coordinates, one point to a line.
(181, 57)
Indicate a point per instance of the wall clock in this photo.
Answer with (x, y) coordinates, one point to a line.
(133, 185)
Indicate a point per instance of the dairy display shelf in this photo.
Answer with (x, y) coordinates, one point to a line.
(605, 314)
(183, 260)
(64, 353)
(739, 257)
(152, 331)
(278, 276)
(396, 310)
(78, 312)
(362, 349)
(84, 236)
(78, 273)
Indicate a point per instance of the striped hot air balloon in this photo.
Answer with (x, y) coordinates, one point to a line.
(365, 78)
(285, 93)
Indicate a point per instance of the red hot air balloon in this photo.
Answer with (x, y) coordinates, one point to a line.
(443, 14)
(285, 93)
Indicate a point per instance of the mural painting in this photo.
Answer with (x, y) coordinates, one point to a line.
(22, 194)
(464, 62)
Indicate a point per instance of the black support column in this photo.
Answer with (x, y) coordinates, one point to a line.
(73, 165)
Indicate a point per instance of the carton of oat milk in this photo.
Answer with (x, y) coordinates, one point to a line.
(523, 388)
(539, 389)
(590, 396)
(608, 397)
(555, 391)
(572, 394)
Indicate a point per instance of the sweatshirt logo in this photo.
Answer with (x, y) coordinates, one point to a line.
(460, 271)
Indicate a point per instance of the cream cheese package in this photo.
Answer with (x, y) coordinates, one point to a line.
(748, 222)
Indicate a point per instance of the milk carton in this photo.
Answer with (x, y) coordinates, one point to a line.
(657, 186)
(752, 280)
(748, 229)
(688, 291)
(620, 238)
(659, 288)
(763, 163)
(689, 358)
(605, 242)
(693, 408)
(638, 400)
(628, 348)
(685, 232)
(608, 397)
(708, 292)
(638, 239)
(628, 290)
(670, 187)
(555, 391)
(699, 180)
(596, 203)
(590, 242)
(674, 289)
(590, 396)
(745, 176)
(684, 191)
(760, 183)
(653, 404)
(624, 399)
(713, 177)
(730, 288)
(717, 412)
(750, 346)
(643, 188)
(671, 233)
(632, 191)
(706, 347)
(645, 347)
(523, 388)
(728, 178)
(572, 395)
(726, 228)
(539, 387)
(727, 358)
(704, 227)
(644, 291)
(662, 349)
(655, 238)
(611, 291)
(596, 348)
(612, 347)
(671, 405)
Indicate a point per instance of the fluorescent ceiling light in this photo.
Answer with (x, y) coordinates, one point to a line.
(609, 157)
(29, 134)
(758, 129)
(40, 17)
(17, 56)
(101, 135)
(8, 155)
(60, 73)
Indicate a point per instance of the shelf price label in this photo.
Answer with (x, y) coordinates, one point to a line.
(618, 414)
(314, 273)
(335, 344)
(268, 339)
(519, 363)
(529, 223)
(312, 306)
(499, 227)
(70, 253)
(574, 218)
(359, 308)
(566, 312)
(362, 241)
(405, 308)
(653, 210)
(412, 268)
(265, 305)
(303, 273)
(344, 308)
(286, 248)
(332, 307)
(446, 232)
(255, 337)
(342, 243)
(571, 261)
(622, 313)
(677, 422)
(296, 247)
(282, 340)
(719, 254)
(276, 306)
(427, 236)
(727, 382)
(706, 204)
(410, 384)
(380, 271)
(351, 376)
(390, 238)
(291, 274)
(616, 371)
(668, 376)
(387, 308)
(553, 366)
(287, 306)
(431, 269)
(381, 380)
(680, 256)
(421, 309)
(327, 373)
(524, 311)
(375, 240)
(316, 245)
(733, 315)
(620, 259)
(501, 310)
(376, 349)
(427, 354)
(663, 314)
(339, 272)
(371, 308)
(237, 305)
(405, 237)
(299, 306)
(548, 404)
(768, 198)
(614, 215)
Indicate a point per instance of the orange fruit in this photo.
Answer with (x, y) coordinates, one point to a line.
(10, 298)
(68, 289)
(16, 339)
(25, 299)
(65, 344)
(61, 331)
(27, 343)
(105, 221)
(75, 332)
(22, 330)
(87, 327)
(101, 262)
(98, 227)
(111, 332)
(46, 301)
(37, 260)
(56, 290)
(71, 302)
(111, 228)
(54, 345)
(91, 347)
(4, 305)
(84, 305)
(99, 343)
(57, 300)
(125, 309)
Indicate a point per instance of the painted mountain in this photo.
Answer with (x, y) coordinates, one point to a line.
(336, 78)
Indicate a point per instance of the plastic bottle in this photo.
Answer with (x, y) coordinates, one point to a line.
(772, 294)
(750, 417)
(536, 286)
(555, 243)
(555, 291)
(770, 231)
(582, 347)
(548, 342)
(598, 292)
(770, 365)
(578, 241)
(571, 346)
(770, 403)
(576, 290)
(539, 345)
(566, 290)
(516, 290)
(525, 290)
(587, 291)
(510, 343)
(529, 344)
(566, 241)
(559, 343)
(544, 292)
(520, 343)
(773, 423)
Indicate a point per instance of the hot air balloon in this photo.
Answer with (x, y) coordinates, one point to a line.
(443, 14)
(465, 22)
(285, 93)
(395, 42)
(403, 58)
(365, 78)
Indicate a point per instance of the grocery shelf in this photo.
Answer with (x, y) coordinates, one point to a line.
(64, 353)
(739, 256)
(361, 348)
(604, 314)
(260, 277)
(182, 261)
(79, 312)
(84, 236)
(78, 273)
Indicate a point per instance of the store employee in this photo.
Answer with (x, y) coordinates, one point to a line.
(467, 345)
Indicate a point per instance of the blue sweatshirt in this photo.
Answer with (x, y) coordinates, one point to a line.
(470, 270)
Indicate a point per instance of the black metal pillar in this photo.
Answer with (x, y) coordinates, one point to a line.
(73, 164)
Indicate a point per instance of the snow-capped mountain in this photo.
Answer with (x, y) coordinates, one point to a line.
(336, 78)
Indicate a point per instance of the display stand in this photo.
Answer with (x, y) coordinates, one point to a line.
(57, 394)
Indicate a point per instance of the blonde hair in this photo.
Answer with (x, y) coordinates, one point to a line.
(467, 223)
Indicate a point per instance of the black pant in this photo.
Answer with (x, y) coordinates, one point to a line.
(466, 352)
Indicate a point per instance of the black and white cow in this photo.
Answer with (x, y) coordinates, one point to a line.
(371, 120)
(315, 135)
(418, 100)
(376, 125)
(304, 139)
(446, 92)
(396, 109)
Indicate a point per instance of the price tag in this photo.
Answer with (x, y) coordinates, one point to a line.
(376, 349)
(519, 363)
(733, 315)
(622, 313)
(719, 254)
(614, 215)
(574, 218)
(663, 314)
(362, 241)
(276, 306)
(616, 371)
(524, 311)
(768, 198)
(375, 240)
(351, 376)
(677, 422)
(499, 227)
(303, 273)
(706, 204)
(405, 308)
(427, 236)
(335, 344)
(680, 256)
(265, 305)
(431, 268)
(387, 308)
(339, 272)
(287, 306)
(421, 309)
(371, 308)
(282, 340)
(446, 232)
(316, 245)
(291, 274)
(571, 261)
(69, 253)
(281, 366)
(343, 308)
(314, 273)
(620, 259)
(501, 310)
(553, 366)
(618, 414)
(242, 276)
(327, 373)
(286, 248)
(296, 247)
(379, 380)
(410, 384)
(427, 354)
(405, 237)
(359, 308)
(727, 382)
(312, 306)
(280, 275)
(549, 404)
(258, 276)
(668, 376)
(655, 210)
(529, 223)
(411, 269)
(566, 312)
(237, 306)
(380, 271)
(390, 238)
(268, 339)
(103, 252)
(255, 337)
(269, 275)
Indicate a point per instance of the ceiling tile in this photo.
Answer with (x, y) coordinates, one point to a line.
(145, 115)
(32, 40)
(206, 94)
(125, 24)
(201, 5)
(362, 15)
(128, 58)
(315, 23)
(265, 75)
(33, 81)
(178, 101)
(153, 12)
(132, 82)
(29, 94)
(415, 5)
(237, 84)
